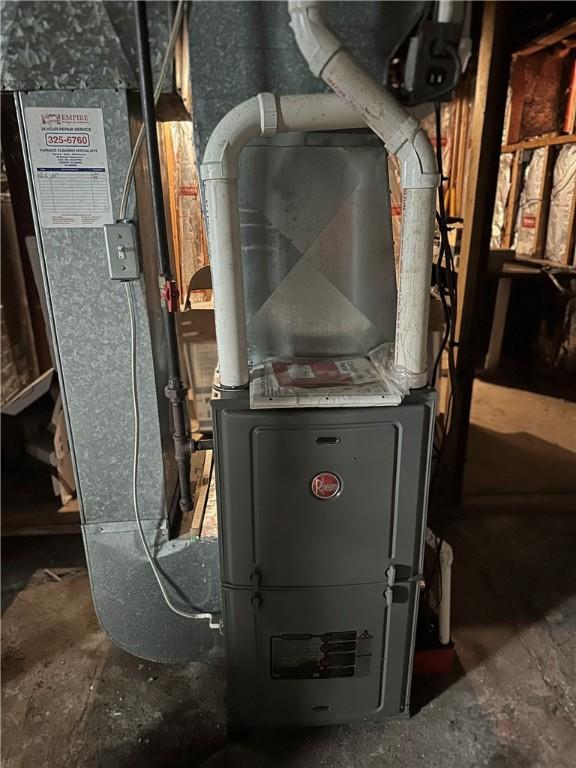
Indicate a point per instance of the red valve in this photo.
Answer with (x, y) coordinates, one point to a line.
(170, 295)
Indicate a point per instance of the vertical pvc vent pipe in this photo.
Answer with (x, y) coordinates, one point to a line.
(403, 137)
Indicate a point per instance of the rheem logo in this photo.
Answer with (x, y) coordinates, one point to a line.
(326, 485)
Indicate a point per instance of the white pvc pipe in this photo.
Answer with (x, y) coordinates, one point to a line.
(444, 608)
(320, 112)
(223, 224)
(263, 115)
(413, 305)
(446, 10)
(402, 136)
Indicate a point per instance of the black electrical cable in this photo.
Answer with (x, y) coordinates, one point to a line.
(445, 278)
(446, 282)
(447, 248)
(445, 311)
(175, 391)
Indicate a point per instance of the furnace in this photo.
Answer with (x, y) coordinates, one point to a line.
(322, 478)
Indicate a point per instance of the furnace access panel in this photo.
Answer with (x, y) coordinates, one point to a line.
(322, 518)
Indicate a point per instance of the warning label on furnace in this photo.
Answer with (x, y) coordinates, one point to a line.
(333, 654)
(70, 166)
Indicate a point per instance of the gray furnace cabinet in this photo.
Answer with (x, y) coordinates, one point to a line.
(320, 595)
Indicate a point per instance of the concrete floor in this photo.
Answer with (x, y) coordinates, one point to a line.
(70, 698)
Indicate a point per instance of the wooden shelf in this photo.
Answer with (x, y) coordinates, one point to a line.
(554, 265)
(38, 519)
(546, 141)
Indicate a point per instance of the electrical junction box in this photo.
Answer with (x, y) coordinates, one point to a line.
(322, 516)
(123, 263)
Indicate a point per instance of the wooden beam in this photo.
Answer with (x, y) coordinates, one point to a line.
(201, 498)
(182, 64)
(485, 134)
(555, 266)
(498, 323)
(202, 465)
(513, 200)
(41, 530)
(544, 207)
(453, 207)
(37, 518)
(13, 160)
(196, 471)
(545, 141)
(550, 38)
(517, 86)
(570, 255)
(174, 215)
(459, 171)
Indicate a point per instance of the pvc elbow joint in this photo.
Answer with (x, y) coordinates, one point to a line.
(411, 145)
(257, 116)
(419, 170)
(316, 43)
(408, 142)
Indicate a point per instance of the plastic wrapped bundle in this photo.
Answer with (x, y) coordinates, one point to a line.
(530, 202)
(502, 192)
(561, 206)
(329, 383)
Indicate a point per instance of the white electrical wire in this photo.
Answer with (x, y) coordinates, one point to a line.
(198, 614)
(157, 93)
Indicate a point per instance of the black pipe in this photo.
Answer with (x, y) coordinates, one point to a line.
(149, 118)
(176, 390)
